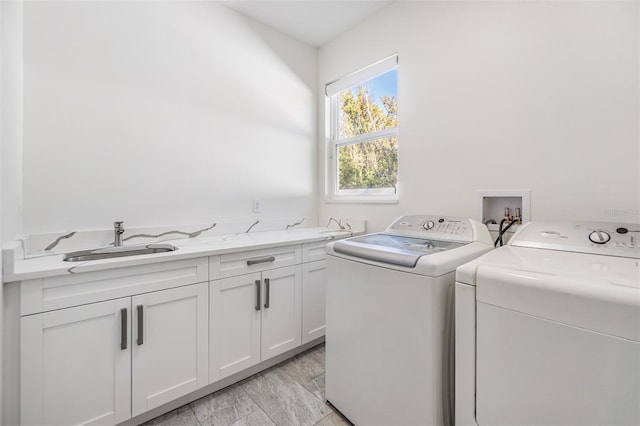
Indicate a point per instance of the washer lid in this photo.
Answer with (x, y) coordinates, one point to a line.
(393, 249)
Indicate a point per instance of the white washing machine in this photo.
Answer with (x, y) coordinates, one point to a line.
(548, 328)
(387, 297)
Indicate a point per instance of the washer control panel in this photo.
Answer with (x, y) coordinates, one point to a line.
(614, 239)
(436, 227)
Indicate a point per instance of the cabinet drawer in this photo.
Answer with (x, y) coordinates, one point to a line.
(229, 265)
(314, 251)
(46, 294)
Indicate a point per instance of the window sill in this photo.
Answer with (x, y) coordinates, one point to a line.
(361, 200)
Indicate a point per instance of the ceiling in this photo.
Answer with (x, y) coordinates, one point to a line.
(315, 22)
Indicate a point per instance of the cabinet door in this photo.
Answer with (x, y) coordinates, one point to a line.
(313, 300)
(235, 324)
(169, 345)
(281, 310)
(76, 365)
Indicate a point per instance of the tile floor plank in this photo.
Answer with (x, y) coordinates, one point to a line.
(224, 407)
(333, 419)
(284, 400)
(257, 418)
(288, 394)
(183, 416)
(306, 366)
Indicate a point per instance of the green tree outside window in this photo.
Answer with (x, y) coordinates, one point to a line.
(371, 164)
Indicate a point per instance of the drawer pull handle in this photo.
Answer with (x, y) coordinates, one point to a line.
(262, 260)
(140, 340)
(267, 283)
(257, 295)
(123, 329)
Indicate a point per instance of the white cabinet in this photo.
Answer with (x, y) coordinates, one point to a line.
(235, 325)
(58, 292)
(104, 362)
(76, 365)
(313, 300)
(101, 347)
(314, 251)
(253, 317)
(281, 310)
(170, 347)
(234, 264)
(313, 288)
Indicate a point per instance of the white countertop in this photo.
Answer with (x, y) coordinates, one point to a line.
(52, 264)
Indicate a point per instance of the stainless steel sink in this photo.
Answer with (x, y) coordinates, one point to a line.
(121, 251)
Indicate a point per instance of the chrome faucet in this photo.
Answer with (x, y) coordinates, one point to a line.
(118, 230)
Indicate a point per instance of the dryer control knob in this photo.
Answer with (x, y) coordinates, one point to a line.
(429, 224)
(599, 237)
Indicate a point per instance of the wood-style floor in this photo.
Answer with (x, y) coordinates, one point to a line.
(291, 393)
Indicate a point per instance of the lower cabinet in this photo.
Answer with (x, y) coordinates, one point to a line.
(313, 300)
(254, 317)
(104, 362)
(76, 365)
(170, 351)
(88, 360)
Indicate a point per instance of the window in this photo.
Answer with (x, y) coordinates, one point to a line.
(363, 134)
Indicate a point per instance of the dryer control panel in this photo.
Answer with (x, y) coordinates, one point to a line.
(438, 227)
(606, 238)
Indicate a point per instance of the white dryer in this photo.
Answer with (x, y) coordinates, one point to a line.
(548, 328)
(387, 297)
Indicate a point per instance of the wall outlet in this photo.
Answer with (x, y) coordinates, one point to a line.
(256, 206)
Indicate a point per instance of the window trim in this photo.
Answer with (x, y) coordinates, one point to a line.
(366, 195)
(364, 74)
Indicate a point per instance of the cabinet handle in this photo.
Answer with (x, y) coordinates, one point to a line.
(140, 340)
(267, 283)
(123, 329)
(262, 260)
(257, 295)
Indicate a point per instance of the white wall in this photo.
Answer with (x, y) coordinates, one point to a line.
(10, 168)
(11, 117)
(505, 95)
(162, 113)
(1, 138)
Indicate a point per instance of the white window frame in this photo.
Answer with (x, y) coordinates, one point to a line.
(332, 111)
